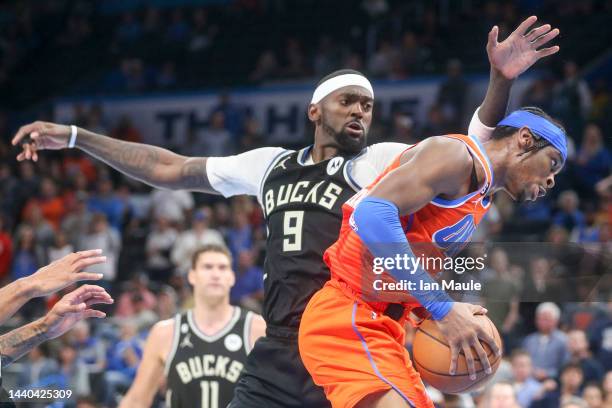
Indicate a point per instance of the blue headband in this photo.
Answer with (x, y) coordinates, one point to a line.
(540, 127)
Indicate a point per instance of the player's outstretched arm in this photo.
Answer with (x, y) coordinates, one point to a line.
(510, 58)
(71, 308)
(405, 190)
(258, 329)
(152, 165)
(151, 368)
(47, 280)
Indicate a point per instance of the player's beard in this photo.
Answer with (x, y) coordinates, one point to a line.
(343, 140)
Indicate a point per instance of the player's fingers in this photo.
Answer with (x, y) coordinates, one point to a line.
(85, 291)
(85, 262)
(545, 52)
(543, 39)
(99, 300)
(487, 338)
(492, 39)
(469, 359)
(524, 26)
(538, 31)
(482, 356)
(87, 253)
(85, 276)
(23, 132)
(94, 313)
(454, 350)
(478, 310)
(79, 307)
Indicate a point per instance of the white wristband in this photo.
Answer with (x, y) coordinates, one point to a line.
(73, 135)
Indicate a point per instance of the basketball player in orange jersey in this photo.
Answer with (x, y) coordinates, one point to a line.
(301, 193)
(434, 193)
(202, 351)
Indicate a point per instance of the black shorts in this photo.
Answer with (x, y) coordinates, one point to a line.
(275, 377)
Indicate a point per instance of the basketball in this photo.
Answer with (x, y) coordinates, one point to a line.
(432, 356)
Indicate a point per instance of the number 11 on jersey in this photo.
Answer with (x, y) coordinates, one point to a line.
(292, 230)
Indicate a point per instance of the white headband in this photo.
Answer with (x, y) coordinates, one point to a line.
(338, 82)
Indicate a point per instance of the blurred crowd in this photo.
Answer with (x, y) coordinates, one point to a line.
(556, 320)
(136, 46)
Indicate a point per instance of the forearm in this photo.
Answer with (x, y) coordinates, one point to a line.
(493, 107)
(13, 296)
(152, 165)
(17, 342)
(377, 224)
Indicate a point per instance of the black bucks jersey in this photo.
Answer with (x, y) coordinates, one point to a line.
(302, 205)
(202, 370)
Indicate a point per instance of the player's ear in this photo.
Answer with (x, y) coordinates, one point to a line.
(233, 279)
(314, 112)
(191, 277)
(524, 139)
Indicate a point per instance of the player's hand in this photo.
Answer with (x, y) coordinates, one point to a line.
(64, 272)
(73, 307)
(463, 332)
(40, 136)
(521, 49)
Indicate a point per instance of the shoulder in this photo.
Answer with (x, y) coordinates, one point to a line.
(161, 332)
(445, 156)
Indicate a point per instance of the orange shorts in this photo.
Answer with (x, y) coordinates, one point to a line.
(352, 350)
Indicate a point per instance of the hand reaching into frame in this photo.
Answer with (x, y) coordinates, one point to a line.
(521, 49)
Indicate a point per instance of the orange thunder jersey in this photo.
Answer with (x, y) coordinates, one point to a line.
(438, 230)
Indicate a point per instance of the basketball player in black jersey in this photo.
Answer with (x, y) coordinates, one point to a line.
(200, 352)
(301, 194)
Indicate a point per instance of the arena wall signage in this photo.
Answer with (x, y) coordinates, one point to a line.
(165, 119)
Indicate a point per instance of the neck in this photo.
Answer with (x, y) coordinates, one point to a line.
(321, 152)
(498, 154)
(211, 313)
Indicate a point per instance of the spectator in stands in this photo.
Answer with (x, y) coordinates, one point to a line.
(215, 140)
(159, 245)
(8, 188)
(107, 203)
(571, 381)
(129, 30)
(178, 31)
(76, 223)
(248, 289)
(379, 65)
(571, 99)
(252, 137)
(6, 249)
(452, 95)
(266, 68)
(28, 256)
(125, 130)
(173, 205)
(123, 360)
(239, 236)
(166, 78)
(573, 402)
(600, 337)
(188, 241)
(569, 216)
(592, 394)
(548, 346)
(138, 285)
(580, 354)
(202, 33)
(527, 388)
(103, 237)
(499, 395)
(166, 303)
(37, 367)
(74, 372)
(594, 161)
(50, 203)
(90, 348)
(502, 285)
(607, 388)
(60, 248)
